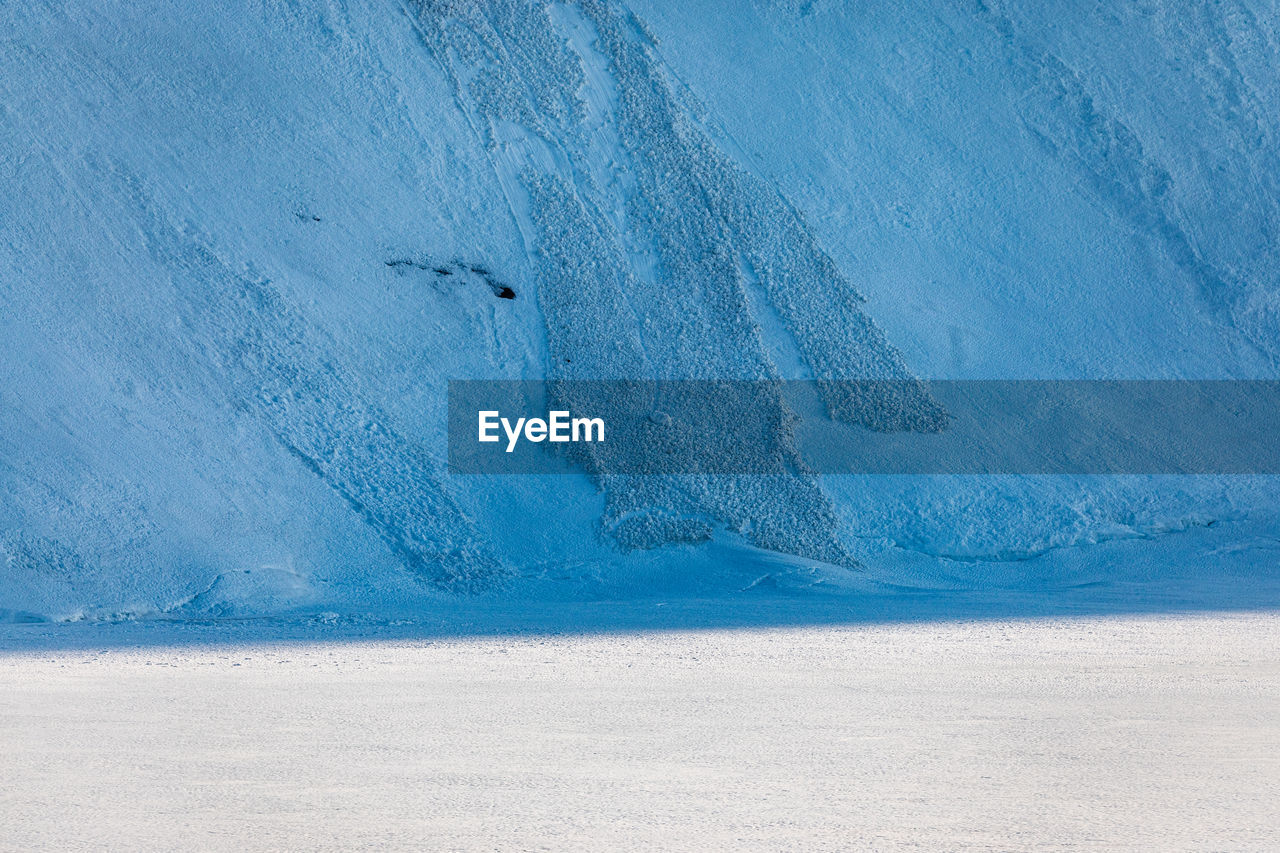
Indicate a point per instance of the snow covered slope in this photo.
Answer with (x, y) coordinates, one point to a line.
(243, 247)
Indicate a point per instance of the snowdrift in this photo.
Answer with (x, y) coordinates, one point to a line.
(243, 248)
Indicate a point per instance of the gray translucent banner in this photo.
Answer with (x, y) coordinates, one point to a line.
(865, 427)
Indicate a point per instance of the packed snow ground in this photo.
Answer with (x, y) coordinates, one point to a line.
(1057, 734)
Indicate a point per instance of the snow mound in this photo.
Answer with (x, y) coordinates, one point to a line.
(243, 249)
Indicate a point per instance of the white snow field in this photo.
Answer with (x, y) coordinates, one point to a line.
(1063, 734)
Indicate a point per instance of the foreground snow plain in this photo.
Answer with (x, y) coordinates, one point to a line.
(1061, 733)
(1120, 695)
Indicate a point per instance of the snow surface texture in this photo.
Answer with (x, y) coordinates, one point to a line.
(1106, 734)
(242, 248)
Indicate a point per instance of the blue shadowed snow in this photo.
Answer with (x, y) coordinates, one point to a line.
(243, 248)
